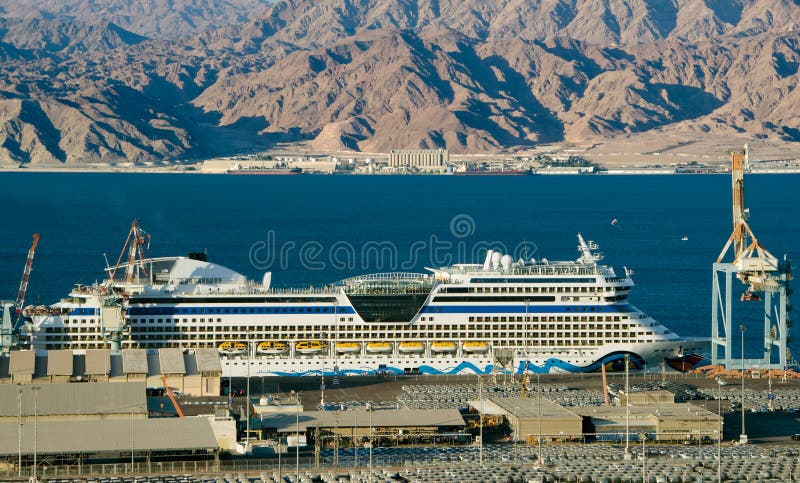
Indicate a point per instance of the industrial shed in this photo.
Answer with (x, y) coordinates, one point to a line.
(72, 402)
(80, 439)
(531, 417)
(660, 421)
(191, 372)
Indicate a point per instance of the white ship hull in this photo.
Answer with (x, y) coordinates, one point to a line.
(543, 317)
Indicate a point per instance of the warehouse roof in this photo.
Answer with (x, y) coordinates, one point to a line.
(400, 418)
(22, 362)
(97, 361)
(134, 361)
(71, 399)
(208, 360)
(171, 361)
(98, 436)
(524, 408)
(59, 362)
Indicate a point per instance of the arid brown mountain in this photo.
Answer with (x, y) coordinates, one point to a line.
(374, 75)
(155, 19)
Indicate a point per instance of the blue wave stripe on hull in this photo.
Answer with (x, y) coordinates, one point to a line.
(560, 365)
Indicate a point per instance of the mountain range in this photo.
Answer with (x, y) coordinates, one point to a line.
(135, 80)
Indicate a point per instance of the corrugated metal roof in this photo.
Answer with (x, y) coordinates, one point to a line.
(287, 422)
(134, 361)
(171, 361)
(23, 362)
(59, 362)
(76, 398)
(110, 435)
(98, 362)
(525, 408)
(208, 360)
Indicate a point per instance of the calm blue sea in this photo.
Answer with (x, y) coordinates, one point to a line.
(317, 229)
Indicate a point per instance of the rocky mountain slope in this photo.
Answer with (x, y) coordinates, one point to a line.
(374, 75)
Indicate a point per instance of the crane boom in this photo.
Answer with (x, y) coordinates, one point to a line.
(171, 396)
(26, 275)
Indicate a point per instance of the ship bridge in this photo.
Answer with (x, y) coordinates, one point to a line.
(388, 297)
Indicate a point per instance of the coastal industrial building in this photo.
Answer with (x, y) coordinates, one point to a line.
(652, 413)
(419, 158)
(529, 417)
(195, 372)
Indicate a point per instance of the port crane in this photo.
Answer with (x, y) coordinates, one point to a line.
(765, 279)
(137, 245)
(11, 313)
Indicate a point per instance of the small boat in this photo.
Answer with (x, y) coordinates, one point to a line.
(310, 347)
(474, 346)
(379, 347)
(272, 348)
(443, 346)
(411, 347)
(348, 347)
(684, 238)
(231, 347)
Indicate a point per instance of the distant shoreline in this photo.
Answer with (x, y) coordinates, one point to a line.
(172, 170)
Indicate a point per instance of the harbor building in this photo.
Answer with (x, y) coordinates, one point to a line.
(652, 413)
(420, 158)
(529, 417)
(91, 401)
(195, 372)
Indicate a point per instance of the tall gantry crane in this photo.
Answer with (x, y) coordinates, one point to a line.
(26, 275)
(764, 277)
(11, 313)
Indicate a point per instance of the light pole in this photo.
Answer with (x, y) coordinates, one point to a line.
(643, 435)
(297, 434)
(627, 410)
(743, 435)
(480, 418)
(539, 416)
(19, 428)
(247, 399)
(35, 427)
(369, 408)
(719, 431)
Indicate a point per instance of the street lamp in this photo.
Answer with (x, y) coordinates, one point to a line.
(743, 435)
(247, 400)
(480, 418)
(369, 408)
(35, 427)
(643, 435)
(297, 434)
(719, 431)
(539, 416)
(19, 428)
(627, 410)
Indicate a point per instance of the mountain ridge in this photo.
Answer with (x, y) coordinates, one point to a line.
(374, 75)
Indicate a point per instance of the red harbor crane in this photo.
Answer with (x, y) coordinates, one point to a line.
(26, 275)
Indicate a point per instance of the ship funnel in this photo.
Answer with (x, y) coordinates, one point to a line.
(488, 262)
(496, 259)
(267, 280)
(506, 261)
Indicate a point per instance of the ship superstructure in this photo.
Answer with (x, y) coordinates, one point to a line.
(501, 315)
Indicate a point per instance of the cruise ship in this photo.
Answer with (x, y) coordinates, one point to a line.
(502, 315)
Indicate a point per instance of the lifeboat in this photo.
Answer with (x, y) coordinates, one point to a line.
(443, 346)
(272, 348)
(310, 347)
(232, 348)
(379, 347)
(348, 347)
(411, 347)
(474, 347)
